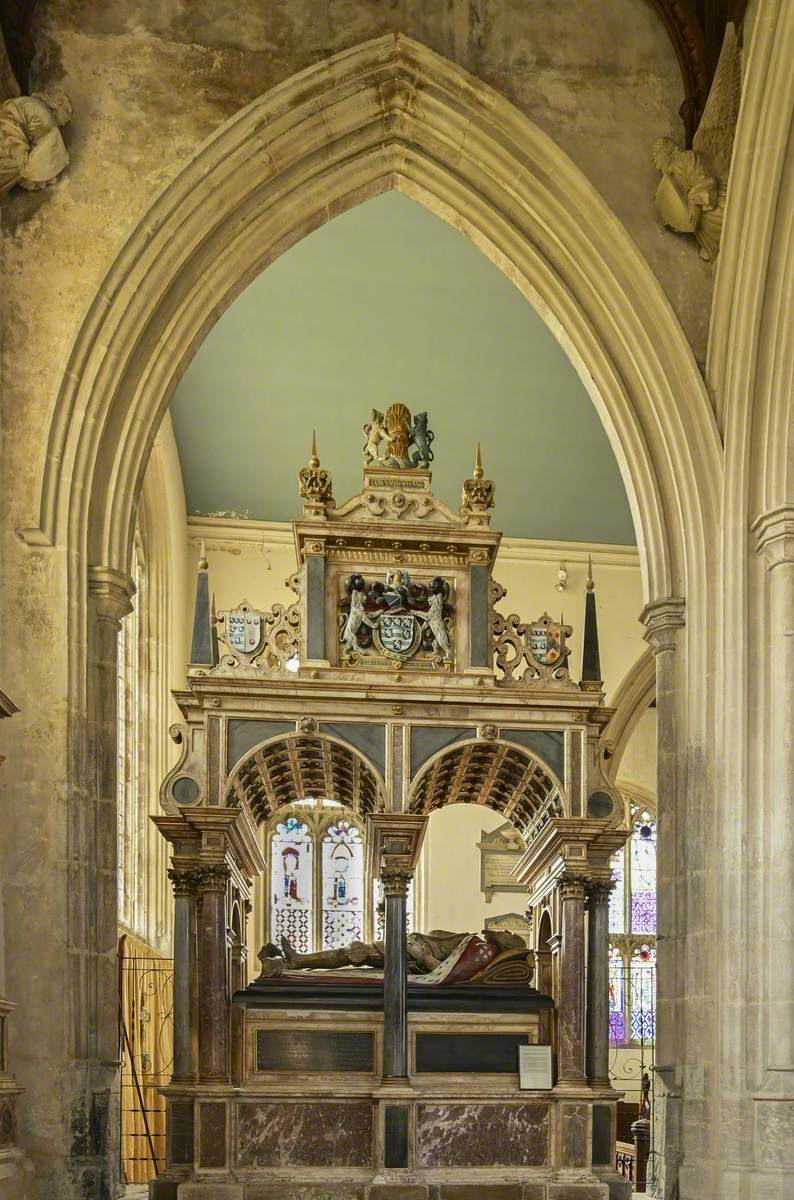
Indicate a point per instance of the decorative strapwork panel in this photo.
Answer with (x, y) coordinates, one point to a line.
(396, 621)
(532, 653)
(263, 641)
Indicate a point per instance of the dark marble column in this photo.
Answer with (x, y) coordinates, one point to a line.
(186, 887)
(571, 1000)
(395, 971)
(213, 999)
(598, 983)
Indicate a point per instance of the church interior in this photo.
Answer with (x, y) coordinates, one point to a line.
(396, 600)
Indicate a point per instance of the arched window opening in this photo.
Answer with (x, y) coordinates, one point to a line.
(632, 932)
(318, 892)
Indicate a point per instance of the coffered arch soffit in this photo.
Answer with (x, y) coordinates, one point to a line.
(387, 114)
(299, 766)
(497, 774)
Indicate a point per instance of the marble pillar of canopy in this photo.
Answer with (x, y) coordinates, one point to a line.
(210, 844)
(394, 841)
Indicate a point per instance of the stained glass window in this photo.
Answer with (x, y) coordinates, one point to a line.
(632, 931)
(292, 884)
(642, 999)
(617, 997)
(617, 897)
(343, 885)
(643, 874)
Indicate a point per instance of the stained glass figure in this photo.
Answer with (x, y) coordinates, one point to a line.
(617, 997)
(617, 897)
(643, 874)
(291, 878)
(642, 994)
(342, 885)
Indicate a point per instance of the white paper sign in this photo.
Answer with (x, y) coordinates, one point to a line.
(534, 1067)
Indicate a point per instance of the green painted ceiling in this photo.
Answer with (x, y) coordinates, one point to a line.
(388, 303)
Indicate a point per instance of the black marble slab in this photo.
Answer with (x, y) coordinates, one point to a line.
(357, 996)
(475, 1053)
(395, 1135)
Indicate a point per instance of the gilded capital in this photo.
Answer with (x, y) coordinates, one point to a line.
(215, 877)
(598, 892)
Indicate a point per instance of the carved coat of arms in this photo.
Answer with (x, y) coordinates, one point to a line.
(396, 618)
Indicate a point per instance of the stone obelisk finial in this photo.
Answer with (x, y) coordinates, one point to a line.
(204, 643)
(591, 658)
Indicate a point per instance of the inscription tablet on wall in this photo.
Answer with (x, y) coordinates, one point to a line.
(315, 1051)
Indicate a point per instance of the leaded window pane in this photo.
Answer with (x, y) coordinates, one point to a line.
(343, 885)
(643, 994)
(617, 897)
(291, 876)
(643, 875)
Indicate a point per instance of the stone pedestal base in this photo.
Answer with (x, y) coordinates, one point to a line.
(250, 1190)
(16, 1176)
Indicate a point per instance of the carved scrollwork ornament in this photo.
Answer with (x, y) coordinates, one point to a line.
(478, 493)
(533, 653)
(315, 484)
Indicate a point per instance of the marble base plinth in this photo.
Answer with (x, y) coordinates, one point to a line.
(212, 1190)
(16, 1175)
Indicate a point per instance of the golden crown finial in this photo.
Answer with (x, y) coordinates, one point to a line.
(590, 581)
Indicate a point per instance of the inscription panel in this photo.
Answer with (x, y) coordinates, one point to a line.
(477, 1053)
(315, 1051)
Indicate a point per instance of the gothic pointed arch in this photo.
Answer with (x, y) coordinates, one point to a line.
(386, 114)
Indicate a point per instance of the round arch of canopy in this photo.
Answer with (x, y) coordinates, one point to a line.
(496, 774)
(292, 767)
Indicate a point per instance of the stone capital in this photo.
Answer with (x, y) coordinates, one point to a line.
(599, 892)
(214, 877)
(186, 881)
(662, 620)
(111, 592)
(774, 535)
(395, 878)
(573, 886)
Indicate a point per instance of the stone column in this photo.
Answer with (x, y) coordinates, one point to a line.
(186, 886)
(775, 532)
(571, 1000)
(395, 882)
(663, 619)
(597, 1057)
(213, 998)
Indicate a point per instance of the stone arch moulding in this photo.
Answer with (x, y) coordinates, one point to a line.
(637, 690)
(388, 113)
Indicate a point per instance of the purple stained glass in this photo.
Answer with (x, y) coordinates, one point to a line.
(617, 1028)
(617, 997)
(643, 912)
(643, 874)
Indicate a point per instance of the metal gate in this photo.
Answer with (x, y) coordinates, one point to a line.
(146, 988)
